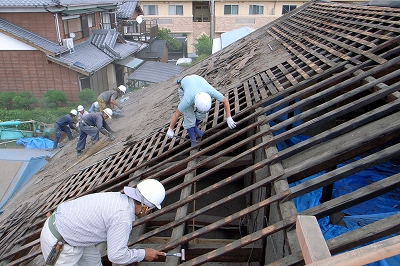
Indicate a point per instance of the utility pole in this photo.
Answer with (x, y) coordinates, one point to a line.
(212, 22)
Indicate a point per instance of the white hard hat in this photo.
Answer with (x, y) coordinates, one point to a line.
(108, 112)
(149, 192)
(122, 88)
(202, 101)
(80, 108)
(74, 112)
(96, 104)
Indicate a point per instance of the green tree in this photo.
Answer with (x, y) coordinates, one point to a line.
(203, 45)
(164, 34)
(53, 99)
(6, 99)
(87, 97)
(24, 100)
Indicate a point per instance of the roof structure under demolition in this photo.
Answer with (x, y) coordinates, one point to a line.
(315, 95)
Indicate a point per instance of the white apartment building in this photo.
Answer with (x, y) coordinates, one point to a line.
(188, 20)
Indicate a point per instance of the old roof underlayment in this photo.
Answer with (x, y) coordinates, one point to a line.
(315, 95)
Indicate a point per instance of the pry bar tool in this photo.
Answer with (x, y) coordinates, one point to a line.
(181, 255)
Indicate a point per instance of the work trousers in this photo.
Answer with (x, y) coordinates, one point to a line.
(85, 130)
(103, 105)
(59, 129)
(190, 115)
(69, 256)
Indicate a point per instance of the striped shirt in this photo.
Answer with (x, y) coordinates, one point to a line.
(99, 217)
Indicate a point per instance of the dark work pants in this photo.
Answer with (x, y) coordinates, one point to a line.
(85, 130)
(59, 129)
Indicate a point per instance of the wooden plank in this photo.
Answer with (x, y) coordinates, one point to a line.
(253, 87)
(312, 242)
(364, 255)
(288, 75)
(298, 69)
(267, 81)
(274, 80)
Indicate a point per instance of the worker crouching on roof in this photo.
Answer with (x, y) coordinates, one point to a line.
(84, 222)
(195, 95)
(64, 124)
(91, 124)
(108, 99)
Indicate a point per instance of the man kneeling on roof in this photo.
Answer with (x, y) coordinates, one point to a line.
(84, 222)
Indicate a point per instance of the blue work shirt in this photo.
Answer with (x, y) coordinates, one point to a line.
(192, 85)
(97, 120)
(66, 120)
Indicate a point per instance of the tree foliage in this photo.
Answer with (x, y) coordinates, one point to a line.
(173, 44)
(53, 99)
(6, 98)
(203, 45)
(24, 100)
(87, 97)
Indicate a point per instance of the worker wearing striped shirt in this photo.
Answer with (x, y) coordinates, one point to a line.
(86, 221)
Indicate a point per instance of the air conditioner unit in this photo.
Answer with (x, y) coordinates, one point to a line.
(69, 43)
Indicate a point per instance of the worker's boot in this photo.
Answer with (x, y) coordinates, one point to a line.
(192, 135)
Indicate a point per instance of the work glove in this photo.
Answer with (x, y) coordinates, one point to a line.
(111, 137)
(231, 123)
(170, 133)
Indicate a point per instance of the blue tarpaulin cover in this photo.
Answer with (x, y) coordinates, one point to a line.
(36, 143)
(357, 216)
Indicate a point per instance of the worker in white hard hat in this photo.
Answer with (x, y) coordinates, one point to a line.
(108, 216)
(94, 107)
(81, 112)
(108, 99)
(64, 124)
(195, 95)
(91, 124)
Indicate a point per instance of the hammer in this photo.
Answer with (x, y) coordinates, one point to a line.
(181, 255)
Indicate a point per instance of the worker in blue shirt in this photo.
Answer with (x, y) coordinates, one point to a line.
(195, 95)
(94, 107)
(64, 124)
(91, 124)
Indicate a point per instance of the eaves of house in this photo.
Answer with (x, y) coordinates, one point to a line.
(32, 39)
(315, 95)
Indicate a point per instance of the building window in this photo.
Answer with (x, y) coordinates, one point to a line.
(150, 9)
(256, 10)
(91, 21)
(287, 8)
(73, 24)
(231, 9)
(175, 10)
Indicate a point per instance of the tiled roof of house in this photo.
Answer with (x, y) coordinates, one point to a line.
(155, 50)
(92, 55)
(39, 3)
(31, 38)
(126, 9)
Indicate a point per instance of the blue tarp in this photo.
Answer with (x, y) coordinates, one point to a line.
(362, 214)
(32, 167)
(36, 143)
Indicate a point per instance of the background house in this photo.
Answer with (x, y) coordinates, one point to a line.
(68, 45)
(188, 20)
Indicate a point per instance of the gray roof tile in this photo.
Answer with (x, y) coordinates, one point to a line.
(126, 9)
(30, 38)
(89, 58)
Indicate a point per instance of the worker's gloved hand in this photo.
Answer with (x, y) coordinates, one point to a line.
(170, 133)
(111, 137)
(231, 123)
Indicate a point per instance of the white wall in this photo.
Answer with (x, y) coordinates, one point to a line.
(8, 43)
